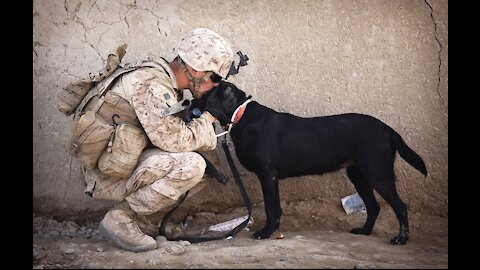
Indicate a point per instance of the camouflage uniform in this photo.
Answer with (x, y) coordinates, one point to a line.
(163, 174)
(167, 171)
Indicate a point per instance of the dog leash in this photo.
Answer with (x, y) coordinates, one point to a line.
(243, 192)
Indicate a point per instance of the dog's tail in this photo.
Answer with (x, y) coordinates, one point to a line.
(406, 152)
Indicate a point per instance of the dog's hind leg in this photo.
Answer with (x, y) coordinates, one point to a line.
(271, 200)
(365, 191)
(278, 208)
(382, 178)
(389, 193)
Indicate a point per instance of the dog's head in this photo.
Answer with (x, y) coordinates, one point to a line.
(223, 90)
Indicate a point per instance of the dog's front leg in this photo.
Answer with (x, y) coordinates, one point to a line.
(211, 170)
(273, 210)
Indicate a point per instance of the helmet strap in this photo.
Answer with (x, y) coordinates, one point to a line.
(195, 80)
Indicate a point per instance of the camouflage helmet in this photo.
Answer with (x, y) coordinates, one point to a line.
(205, 50)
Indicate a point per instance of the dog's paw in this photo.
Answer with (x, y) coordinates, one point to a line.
(399, 240)
(360, 231)
(221, 178)
(262, 234)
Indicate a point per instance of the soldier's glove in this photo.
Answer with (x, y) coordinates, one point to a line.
(219, 103)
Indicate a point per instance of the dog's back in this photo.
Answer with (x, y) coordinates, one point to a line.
(299, 146)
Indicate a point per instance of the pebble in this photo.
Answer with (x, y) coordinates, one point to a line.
(48, 228)
(39, 255)
(362, 266)
(176, 250)
(184, 243)
(69, 251)
(161, 240)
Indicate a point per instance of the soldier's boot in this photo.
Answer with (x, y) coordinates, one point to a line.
(119, 226)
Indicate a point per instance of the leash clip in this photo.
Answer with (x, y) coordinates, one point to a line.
(225, 139)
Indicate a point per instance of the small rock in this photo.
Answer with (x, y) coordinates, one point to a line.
(69, 251)
(176, 250)
(362, 266)
(184, 243)
(161, 238)
(39, 255)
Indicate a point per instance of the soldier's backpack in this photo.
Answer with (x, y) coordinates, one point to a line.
(106, 133)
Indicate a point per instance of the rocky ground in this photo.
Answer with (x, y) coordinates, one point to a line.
(315, 235)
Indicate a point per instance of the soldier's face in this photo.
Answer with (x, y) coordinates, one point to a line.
(205, 86)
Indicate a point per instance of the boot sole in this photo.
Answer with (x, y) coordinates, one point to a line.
(111, 237)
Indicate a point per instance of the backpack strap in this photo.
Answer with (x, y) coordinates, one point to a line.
(106, 83)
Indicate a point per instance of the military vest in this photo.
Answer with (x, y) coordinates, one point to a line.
(106, 133)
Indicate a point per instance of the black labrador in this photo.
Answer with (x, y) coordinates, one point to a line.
(277, 145)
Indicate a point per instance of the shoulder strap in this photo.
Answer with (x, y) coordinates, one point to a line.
(105, 84)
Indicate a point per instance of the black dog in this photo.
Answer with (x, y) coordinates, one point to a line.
(277, 145)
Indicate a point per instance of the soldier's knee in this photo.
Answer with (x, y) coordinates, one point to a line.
(198, 163)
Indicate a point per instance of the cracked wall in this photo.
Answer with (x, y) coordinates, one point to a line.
(385, 58)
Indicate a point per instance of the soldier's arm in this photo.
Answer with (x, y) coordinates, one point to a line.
(152, 95)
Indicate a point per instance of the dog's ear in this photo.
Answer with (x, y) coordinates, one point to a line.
(229, 103)
(200, 103)
(240, 95)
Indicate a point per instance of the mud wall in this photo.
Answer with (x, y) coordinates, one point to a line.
(385, 58)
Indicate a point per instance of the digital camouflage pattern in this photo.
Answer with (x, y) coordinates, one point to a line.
(165, 173)
(157, 183)
(205, 50)
(150, 91)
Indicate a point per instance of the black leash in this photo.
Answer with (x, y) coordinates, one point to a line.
(243, 192)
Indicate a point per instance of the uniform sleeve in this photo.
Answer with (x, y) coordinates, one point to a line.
(152, 93)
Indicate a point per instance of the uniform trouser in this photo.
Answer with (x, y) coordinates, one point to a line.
(158, 181)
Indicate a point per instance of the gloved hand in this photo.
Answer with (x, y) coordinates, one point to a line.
(221, 104)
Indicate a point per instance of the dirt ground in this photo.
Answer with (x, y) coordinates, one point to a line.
(315, 236)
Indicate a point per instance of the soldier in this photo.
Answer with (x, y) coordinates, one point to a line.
(170, 168)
